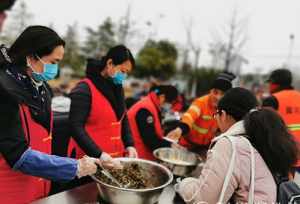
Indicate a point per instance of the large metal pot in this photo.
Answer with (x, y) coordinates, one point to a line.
(181, 162)
(159, 174)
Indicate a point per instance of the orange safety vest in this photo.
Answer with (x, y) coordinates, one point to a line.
(150, 102)
(202, 124)
(289, 110)
(19, 188)
(102, 125)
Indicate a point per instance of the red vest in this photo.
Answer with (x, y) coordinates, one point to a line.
(150, 103)
(289, 110)
(19, 188)
(102, 125)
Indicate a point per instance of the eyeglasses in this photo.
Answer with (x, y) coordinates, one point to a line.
(218, 112)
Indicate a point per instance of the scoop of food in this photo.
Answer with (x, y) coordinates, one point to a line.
(130, 176)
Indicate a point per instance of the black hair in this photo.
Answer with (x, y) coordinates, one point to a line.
(269, 135)
(6, 4)
(237, 102)
(266, 130)
(118, 54)
(170, 92)
(282, 77)
(270, 102)
(33, 41)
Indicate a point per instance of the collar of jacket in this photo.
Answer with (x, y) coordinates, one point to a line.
(113, 93)
(154, 98)
(235, 130)
(283, 88)
(21, 89)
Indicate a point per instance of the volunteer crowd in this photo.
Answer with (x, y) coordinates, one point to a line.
(228, 127)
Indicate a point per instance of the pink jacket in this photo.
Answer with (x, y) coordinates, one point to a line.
(207, 188)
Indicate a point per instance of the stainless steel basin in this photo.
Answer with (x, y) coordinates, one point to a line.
(180, 162)
(160, 176)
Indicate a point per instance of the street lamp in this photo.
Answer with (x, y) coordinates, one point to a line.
(291, 46)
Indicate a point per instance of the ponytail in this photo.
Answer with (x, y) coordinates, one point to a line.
(266, 130)
(95, 66)
(269, 135)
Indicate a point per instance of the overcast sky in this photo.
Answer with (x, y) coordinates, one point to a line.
(270, 22)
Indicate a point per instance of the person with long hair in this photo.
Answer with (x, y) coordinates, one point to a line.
(26, 121)
(274, 149)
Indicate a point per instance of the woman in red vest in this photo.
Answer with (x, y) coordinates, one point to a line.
(26, 165)
(145, 120)
(98, 114)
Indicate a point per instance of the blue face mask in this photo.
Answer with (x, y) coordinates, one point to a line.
(50, 72)
(119, 77)
(166, 107)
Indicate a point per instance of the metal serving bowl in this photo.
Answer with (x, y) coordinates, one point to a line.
(160, 176)
(181, 162)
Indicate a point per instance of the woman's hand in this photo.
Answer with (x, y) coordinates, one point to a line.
(108, 162)
(131, 152)
(174, 134)
(86, 166)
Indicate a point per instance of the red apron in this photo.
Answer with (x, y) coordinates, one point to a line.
(150, 103)
(102, 125)
(19, 188)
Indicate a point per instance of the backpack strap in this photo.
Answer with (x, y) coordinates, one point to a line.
(231, 167)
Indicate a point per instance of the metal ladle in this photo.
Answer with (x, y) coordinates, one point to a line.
(111, 177)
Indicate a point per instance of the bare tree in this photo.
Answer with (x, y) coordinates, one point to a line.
(22, 17)
(191, 43)
(229, 43)
(126, 28)
(195, 48)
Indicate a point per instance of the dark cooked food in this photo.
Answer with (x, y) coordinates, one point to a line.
(130, 176)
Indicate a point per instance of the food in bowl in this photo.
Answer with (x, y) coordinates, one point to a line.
(130, 176)
(159, 176)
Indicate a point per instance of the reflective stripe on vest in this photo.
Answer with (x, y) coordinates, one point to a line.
(189, 116)
(207, 117)
(199, 129)
(196, 109)
(294, 127)
(203, 127)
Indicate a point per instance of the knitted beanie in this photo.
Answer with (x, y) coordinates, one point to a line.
(223, 81)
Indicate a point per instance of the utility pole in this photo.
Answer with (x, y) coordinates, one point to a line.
(290, 52)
